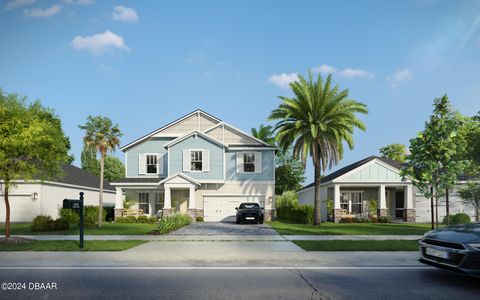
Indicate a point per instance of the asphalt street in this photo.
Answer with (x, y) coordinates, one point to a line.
(239, 283)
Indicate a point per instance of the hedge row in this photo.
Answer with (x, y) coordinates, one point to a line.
(302, 214)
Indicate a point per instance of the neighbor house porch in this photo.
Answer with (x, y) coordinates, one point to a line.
(358, 200)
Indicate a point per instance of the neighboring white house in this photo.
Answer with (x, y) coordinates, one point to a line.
(377, 178)
(33, 198)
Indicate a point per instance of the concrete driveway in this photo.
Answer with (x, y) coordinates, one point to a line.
(225, 228)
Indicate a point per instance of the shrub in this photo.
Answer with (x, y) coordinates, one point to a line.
(199, 219)
(41, 223)
(130, 219)
(460, 218)
(59, 224)
(302, 214)
(372, 219)
(384, 219)
(91, 215)
(120, 220)
(360, 220)
(450, 220)
(70, 215)
(173, 222)
(152, 220)
(46, 223)
(287, 199)
(372, 207)
(142, 219)
(346, 220)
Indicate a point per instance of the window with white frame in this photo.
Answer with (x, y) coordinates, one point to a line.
(196, 160)
(144, 203)
(151, 164)
(159, 201)
(249, 162)
(351, 202)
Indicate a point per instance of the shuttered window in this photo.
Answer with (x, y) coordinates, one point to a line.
(151, 164)
(249, 162)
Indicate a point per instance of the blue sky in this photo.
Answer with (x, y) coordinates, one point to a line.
(146, 63)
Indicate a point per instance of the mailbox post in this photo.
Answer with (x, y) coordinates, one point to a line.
(78, 206)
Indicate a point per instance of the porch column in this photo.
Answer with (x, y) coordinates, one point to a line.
(336, 203)
(167, 202)
(409, 210)
(192, 208)
(382, 202)
(118, 210)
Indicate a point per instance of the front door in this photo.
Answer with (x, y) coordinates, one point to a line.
(399, 204)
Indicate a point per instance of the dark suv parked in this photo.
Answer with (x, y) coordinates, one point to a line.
(249, 212)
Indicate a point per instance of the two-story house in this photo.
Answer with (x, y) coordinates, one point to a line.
(198, 165)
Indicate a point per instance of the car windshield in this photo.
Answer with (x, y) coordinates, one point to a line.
(249, 205)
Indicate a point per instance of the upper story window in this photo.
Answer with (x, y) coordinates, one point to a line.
(196, 160)
(151, 161)
(249, 162)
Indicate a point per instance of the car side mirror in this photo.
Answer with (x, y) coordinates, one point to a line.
(236, 208)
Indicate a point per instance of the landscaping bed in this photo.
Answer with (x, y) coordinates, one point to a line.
(328, 228)
(34, 245)
(106, 229)
(354, 245)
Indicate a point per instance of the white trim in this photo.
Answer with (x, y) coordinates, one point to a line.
(126, 165)
(233, 195)
(59, 184)
(184, 176)
(213, 127)
(145, 176)
(134, 183)
(195, 132)
(246, 134)
(168, 158)
(224, 165)
(250, 181)
(127, 146)
(146, 171)
(262, 148)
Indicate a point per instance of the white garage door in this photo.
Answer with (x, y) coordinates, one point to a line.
(222, 208)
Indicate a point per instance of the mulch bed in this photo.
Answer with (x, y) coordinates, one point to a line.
(15, 240)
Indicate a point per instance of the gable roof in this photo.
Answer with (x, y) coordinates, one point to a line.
(183, 137)
(76, 176)
(396, 164)
(186, 177)
(131, 144)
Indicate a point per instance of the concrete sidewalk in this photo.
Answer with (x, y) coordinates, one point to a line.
(223, 237)
(210, 254)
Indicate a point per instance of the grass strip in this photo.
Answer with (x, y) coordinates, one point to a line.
(354, 245)
(106, 229)
(328, 228)
(71, 246)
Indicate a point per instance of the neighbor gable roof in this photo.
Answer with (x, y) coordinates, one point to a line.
(393, 163)
(141, 139)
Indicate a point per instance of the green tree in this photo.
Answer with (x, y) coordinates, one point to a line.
(470, 195)
(289, 172)
(316, 121)
(264, 133)
(394, 151)
(32, 144)
(102, 135)
(433, 164)
(89, 160)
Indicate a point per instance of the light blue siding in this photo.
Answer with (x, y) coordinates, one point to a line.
(153, 145)
(216, 158)
(268, 167)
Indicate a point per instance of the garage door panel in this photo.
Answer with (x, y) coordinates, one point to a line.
(222, 208)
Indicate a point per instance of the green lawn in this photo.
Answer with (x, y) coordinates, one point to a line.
(389, 245)
(328, 228)
(71, 246)
(107, 228)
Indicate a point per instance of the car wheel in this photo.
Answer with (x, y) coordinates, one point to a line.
(237, 221)
(261, 221)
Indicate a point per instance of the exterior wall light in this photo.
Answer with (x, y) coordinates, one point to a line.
(35, 196)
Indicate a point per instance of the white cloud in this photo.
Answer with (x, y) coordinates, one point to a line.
(100, 43)
(345, 73)
(400, 76)
(283, 80)
(86, 2)
(43, 13)
(326, 69)
(352, 73)
(196, 58)
(124, 14)
(18, 3)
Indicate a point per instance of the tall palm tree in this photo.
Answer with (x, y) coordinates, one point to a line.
(264, 133)
(103, 136)
(316, 121)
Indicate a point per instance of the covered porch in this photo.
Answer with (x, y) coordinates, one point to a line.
(359, 200)
(159, 198)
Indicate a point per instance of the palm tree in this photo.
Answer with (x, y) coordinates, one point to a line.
(316, 121)
(102, 136)
(264, 133)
